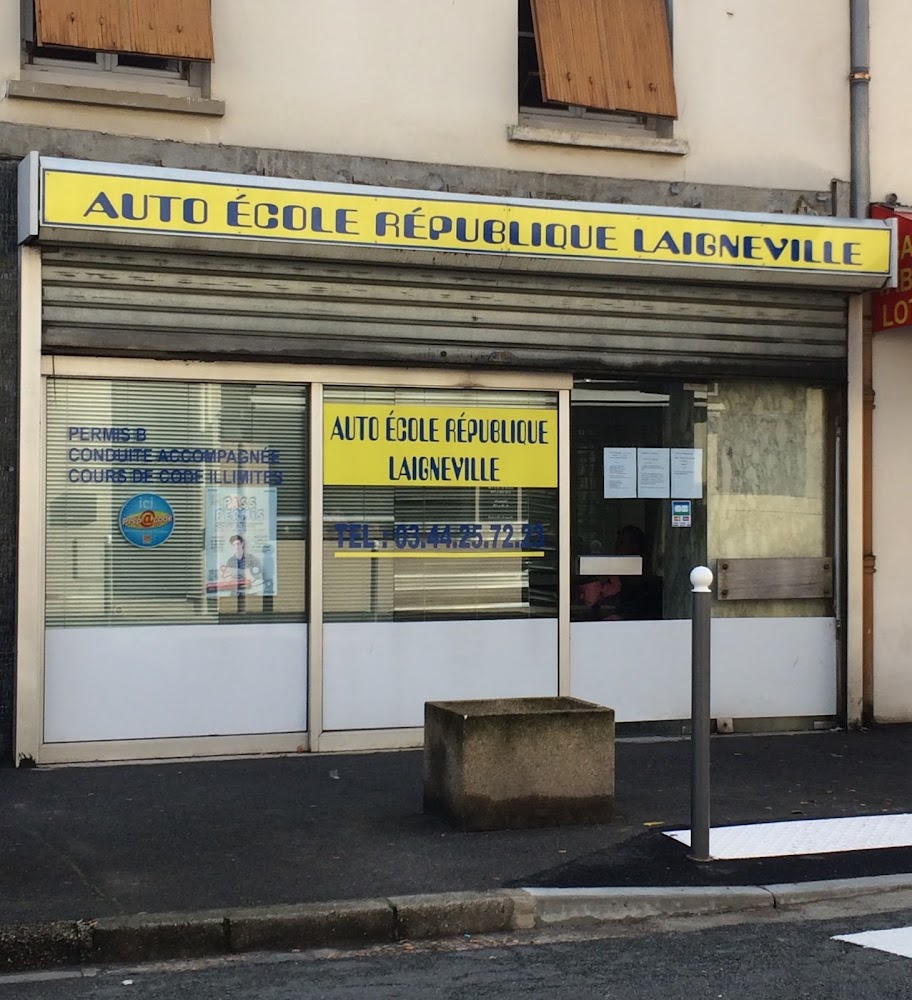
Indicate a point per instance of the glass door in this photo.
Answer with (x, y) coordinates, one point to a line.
(638, 502)
(734, 475)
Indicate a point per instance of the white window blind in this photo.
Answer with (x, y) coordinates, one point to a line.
(221, 460)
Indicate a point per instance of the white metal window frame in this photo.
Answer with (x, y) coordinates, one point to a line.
(106, 62)
(36, 369)
(190, 79)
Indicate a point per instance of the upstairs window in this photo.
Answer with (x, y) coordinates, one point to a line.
(57, 57)
(155, 43)
(600, 59)
(163, 29)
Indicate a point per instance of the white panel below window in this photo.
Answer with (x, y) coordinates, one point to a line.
(147, 682)
(640, 669)
(378, 675)
(761, 667)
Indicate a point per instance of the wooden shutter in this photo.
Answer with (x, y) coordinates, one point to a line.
(178, 29)
(612, 55)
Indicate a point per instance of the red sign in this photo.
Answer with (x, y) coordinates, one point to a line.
(893, 309)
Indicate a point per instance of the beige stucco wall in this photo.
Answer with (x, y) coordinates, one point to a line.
(761, 87)
(891, 125)
(892, 496)
(891, 174)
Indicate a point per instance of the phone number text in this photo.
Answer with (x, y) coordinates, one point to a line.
(357, 535)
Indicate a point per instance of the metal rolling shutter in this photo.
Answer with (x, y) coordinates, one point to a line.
(161, 304)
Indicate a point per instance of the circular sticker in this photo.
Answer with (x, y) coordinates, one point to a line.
(146, 520)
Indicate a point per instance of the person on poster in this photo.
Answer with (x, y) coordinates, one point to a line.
(242, 567)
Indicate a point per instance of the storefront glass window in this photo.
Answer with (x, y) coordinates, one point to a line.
(439, 504)
(638, 497)
(175, 503)
(681, 475)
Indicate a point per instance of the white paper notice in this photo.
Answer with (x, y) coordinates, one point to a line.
(652, 472)
(687, 473)
(620, 473)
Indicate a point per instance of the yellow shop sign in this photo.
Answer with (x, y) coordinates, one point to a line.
(150, 200)
(371, 445)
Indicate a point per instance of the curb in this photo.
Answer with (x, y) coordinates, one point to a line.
(364, 922)
(146, 937)
(587, 907)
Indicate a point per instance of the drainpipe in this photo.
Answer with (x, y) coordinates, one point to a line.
(859, 79)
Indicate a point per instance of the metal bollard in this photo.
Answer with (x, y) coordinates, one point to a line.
(700, 578)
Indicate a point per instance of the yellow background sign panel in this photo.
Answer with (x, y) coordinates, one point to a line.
(446, 446)
(217, 208)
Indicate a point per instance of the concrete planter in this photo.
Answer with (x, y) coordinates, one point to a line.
(519, 762)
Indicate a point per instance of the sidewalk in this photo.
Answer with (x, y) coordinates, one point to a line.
(82, 843)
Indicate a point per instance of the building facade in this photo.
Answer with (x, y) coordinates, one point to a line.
(888, 680)
(353, 381)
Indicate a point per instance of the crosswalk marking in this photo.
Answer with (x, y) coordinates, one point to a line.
(896, 940)
(806, 836)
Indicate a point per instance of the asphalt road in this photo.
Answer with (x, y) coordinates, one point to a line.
(785, 956)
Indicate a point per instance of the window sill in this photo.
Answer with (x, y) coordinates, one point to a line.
(39, 91)
(630, 142)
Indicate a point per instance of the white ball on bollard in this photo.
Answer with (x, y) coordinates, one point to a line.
(701, 579)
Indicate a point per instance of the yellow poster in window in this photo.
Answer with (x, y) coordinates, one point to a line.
(445, 446)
